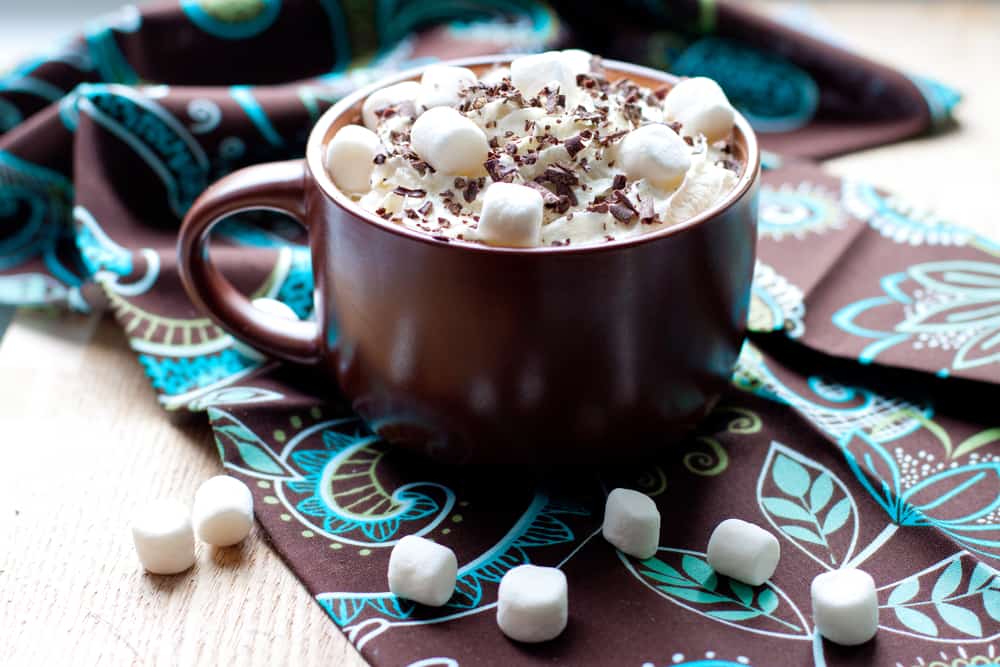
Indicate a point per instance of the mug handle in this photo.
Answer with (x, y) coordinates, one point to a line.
(276, 186)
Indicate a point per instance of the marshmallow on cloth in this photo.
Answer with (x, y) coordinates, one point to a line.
(656, 153)
(632, 523)
(442, 85)
(390, 96)
(533, 603)
(274, 307)
(701, 107)
(845, 606)
(511, 216)
(223, 511)
(422, 571)
(743, 551)
(449, 142)
(163, 537)
(530, 74)
(350, 158)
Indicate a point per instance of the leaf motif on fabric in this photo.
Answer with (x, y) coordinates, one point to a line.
(809, 505)
(242, 450)
(686, 579)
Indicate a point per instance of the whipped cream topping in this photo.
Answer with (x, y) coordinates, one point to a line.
(565, 142)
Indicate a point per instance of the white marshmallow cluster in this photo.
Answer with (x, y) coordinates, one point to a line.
(441, 85)
(511, 216)
(657, 153)
(701, 107)
(162, 531)
(845, 606)
(422, 571)
(223, 511)
(449, 142)
(163, 537)
(350, 158)
(632, 523)
(743, 551)
(533, 603)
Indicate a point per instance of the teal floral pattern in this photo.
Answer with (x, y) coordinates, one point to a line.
(960, 502)
(942, 601)
(953, 306)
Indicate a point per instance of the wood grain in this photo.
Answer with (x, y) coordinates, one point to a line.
(84, 441)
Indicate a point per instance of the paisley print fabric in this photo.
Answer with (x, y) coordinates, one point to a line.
(858, 427)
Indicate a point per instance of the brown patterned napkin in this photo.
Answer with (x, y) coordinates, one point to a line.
(855, 436)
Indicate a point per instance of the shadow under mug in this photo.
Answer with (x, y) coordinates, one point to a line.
(470, 353)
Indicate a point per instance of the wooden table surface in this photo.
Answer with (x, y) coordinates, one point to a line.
(84, 441)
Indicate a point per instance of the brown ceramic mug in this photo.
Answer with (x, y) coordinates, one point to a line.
(475, 353)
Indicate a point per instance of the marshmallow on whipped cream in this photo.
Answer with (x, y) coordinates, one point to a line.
(545, 152)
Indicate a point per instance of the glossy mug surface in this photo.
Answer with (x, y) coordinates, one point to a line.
(471, 353)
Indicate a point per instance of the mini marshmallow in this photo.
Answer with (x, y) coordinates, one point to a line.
(223, 511)
(578, 60)
(163, 537)
(533, 603)
(656, 153)
(442, 85)
(449, 142)
(743, 551)
(394, 95)
(632, 523)
(350, 158)
(530, 74)
(422, 571)
(845, 606)
(511, 216)
(495, 76)
(274, 307)
(701, 107)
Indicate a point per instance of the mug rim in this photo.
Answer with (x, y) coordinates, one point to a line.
(320, 176)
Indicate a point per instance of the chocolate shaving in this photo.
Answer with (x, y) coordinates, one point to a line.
(556, 173)
(647, 214)
(619, 182)
(632, 113)
(574, 145)
(444, 223)
(441, 237)
(379, 159)
(422, 167)
(675, 126)
(609, 138)
(499, 173)
(454, 207)
(409, 192)
(425, 208)
(621, 213)
(549, 198)
(471, 190)
(459, 183)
